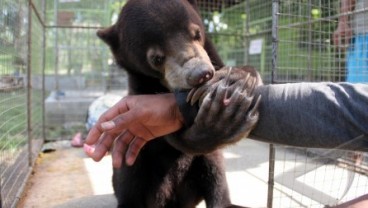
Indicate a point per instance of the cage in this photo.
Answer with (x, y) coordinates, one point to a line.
(52, 67)
(298, 41)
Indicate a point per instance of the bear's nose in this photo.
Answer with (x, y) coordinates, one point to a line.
(199, 77)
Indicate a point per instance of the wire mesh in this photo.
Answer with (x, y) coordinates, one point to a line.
(305, 51)
(14, 125)
(66, 62)
(79, 66)
(71, 27)
(225, 23)
(318, 178)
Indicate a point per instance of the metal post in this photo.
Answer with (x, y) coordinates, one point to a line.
(309, 57)
(271, 175)
(1, 198)
(246, 35)
(29, 85)
(43, 70)
(275, 38)
(56, 48)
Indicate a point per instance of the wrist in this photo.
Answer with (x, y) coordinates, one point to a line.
(186, 112)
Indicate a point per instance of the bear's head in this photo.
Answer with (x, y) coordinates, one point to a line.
(164, 39)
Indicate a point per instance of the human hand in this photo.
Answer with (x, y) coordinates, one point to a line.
(342, 35)
(130, 124)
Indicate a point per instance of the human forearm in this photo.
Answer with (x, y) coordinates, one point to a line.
(325, 115)
(345, 7)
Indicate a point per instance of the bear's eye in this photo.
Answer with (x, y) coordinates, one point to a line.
(157, 60)
(197, 35)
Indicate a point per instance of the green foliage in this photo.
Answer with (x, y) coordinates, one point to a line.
(227, 32)
(13, 114)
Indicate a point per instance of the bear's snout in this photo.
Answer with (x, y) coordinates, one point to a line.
(200, 76)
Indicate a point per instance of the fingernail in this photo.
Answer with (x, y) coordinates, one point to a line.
(89, 150)
(226, 102)
(129, 161)
(108, 125)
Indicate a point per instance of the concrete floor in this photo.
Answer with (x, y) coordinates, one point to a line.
(66, 178)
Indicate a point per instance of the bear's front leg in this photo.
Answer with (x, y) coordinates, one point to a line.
(227, 113)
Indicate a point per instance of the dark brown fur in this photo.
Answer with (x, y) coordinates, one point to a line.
(163, 47)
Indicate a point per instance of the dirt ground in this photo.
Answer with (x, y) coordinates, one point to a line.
(66, 177)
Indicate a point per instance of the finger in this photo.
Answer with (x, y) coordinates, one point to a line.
(93, 135)
(134, 149)
(121, 145)
(88, 149)
(121, 122)
(103, 146)
(97, 130)
(98, 151)
(119, 108)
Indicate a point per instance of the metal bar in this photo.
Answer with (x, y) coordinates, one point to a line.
(271, 175)
(225, 34)
(56, 49)
(358, 11)
(275, 23)
(73, 27)
(330, 18)
(29, 85)
(37, 13)
(43, 72)
(246, 54)
(309, 59)
(271, 160)
(263, 32)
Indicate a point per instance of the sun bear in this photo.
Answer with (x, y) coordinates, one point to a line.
(163, 47)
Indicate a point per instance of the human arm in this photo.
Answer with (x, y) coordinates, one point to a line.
(343, 32)
(132, 122)
(226, 114)
(324, 115)
(321, 115)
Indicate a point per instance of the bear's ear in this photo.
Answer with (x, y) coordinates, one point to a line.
(192, 2)
(108, 35)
